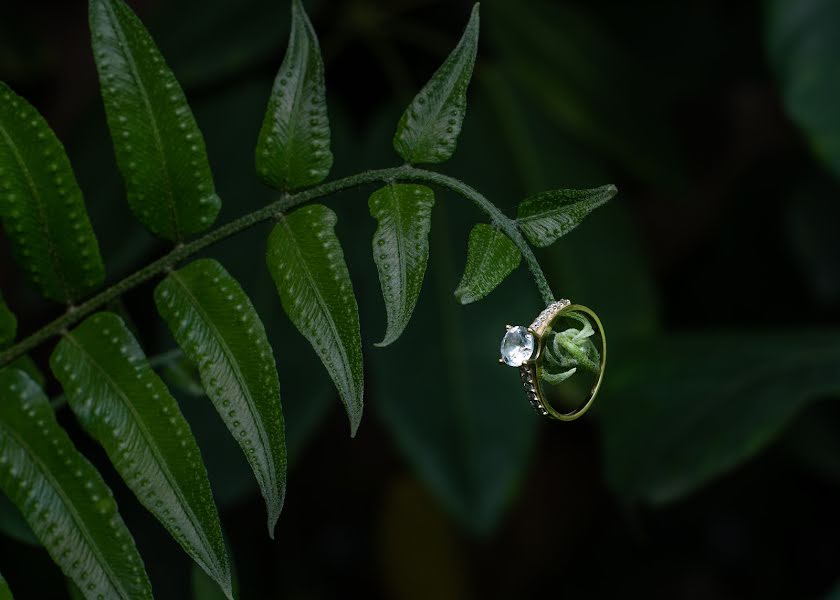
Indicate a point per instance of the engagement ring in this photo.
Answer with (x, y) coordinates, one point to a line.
(561, 359)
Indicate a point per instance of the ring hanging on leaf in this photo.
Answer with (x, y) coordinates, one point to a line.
(561, 359)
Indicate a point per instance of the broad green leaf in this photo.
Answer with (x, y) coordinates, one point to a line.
(308, 268)
(692, 408)
(63, 497)
(160, 150)
(5, 592)
(401, 249)
(218, 328)
(125, 406)
(547, 216)
(491, 257)
(804, 51)
(293, 150)
(8, 323)
(41, 205)
(428, 130)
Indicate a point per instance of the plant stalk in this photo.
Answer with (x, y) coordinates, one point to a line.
(183, 251)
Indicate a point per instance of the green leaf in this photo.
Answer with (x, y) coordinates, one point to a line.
(293, 150)
(548, 216)
(491, 257)
(42, 207)
(692, 408)
(159, 148)
(63, 497)
(401, 249)
(5, 592)
(308, 268)
(125, 406)
(428, 130)
(8, 324)
(804, 51)
(218, 328)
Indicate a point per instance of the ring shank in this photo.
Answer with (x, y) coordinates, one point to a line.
(530, 369)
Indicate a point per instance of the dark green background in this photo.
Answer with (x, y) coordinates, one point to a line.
(711, 466)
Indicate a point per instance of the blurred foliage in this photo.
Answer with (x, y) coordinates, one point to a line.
(710, 467)
(804, 51)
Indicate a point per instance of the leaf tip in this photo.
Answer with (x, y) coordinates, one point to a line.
(392, 334)
(274, 506)
(226, 585)
(355, 421)
(463, 296)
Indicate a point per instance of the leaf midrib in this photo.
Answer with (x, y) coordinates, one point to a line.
(449, 85)
(485, 256)
(400, 250)
(323, 304)
(240, 378)
(564, 208)
(302, 66)
(42, 217)
(135, 72)
(69, 506)
(164, 467)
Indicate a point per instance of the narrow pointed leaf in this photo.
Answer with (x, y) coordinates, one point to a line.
(63, 497)
(41, 205)
(216, 325)
(5, 592)
(8, 323)
(125, 406)
(401, 249)
(293, 150)
(428, 130)
(491, 256)
(308, 268)
(548, 216)
(160, 150)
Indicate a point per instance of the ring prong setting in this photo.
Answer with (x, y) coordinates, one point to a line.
(518, 346)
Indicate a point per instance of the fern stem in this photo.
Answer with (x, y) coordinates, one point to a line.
(274, 210)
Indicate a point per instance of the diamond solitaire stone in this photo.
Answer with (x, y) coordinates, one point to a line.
(517, 346)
